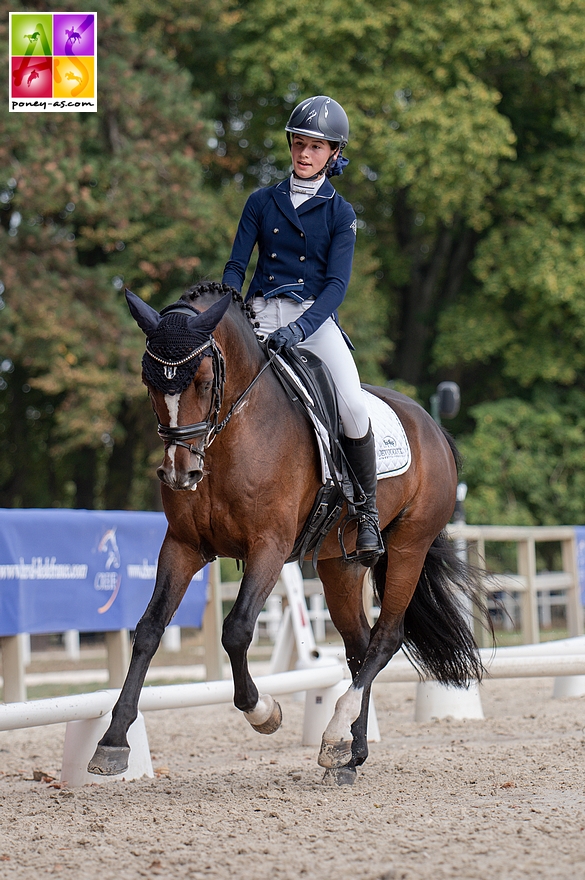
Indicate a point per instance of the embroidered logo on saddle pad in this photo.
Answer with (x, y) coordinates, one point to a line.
(393, 455)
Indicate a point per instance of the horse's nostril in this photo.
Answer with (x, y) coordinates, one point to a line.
(195, 476)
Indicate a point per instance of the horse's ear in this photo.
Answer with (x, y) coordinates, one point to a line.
(146, 317)
(207, 321)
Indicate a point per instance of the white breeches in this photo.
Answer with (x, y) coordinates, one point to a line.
(328, 344)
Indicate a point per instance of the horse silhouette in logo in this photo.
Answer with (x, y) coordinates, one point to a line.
(34, 75)
(109, 545)
(32, 38)
(72, 35)
(70, 75)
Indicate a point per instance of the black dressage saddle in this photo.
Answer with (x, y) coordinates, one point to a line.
(308, 384)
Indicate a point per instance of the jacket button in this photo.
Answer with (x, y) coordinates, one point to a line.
(272, 256)
(302, 234)
(275, 231)
(300, 281)
(302, 259)
(271, 277)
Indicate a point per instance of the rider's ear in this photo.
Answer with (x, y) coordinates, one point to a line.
(207, 321)
(146, 317)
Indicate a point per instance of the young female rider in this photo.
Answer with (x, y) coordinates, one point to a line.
(305, 232)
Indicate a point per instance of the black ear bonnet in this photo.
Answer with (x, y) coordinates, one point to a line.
(177, 340)
(173, 341)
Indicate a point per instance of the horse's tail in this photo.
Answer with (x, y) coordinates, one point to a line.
(438, 624)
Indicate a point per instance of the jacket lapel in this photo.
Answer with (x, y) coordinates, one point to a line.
(281, 195)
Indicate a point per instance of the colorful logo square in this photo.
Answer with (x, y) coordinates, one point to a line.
(73, 77)
(74, 33)
(53, 62)
(31, 33)
(32, 77)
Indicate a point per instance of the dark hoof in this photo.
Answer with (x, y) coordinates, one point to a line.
(109, 760)
(334, 755)
(271, 724)
(340, 776)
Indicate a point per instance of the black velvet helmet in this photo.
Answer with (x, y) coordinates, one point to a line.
(320, 117)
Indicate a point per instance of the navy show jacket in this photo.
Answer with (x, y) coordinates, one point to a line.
(303, 252)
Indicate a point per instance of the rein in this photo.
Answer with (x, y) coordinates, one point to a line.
(211, 427)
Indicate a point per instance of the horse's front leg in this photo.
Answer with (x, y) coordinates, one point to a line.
(177, 565)
(261, 710)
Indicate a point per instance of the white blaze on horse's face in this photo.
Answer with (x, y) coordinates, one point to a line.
(172, 404)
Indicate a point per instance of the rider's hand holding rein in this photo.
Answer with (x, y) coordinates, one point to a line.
(285, 337)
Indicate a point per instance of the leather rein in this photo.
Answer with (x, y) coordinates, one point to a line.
(212, 426)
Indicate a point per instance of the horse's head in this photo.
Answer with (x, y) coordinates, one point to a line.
(183, 371)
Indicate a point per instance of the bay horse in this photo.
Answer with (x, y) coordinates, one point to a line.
(239, 478)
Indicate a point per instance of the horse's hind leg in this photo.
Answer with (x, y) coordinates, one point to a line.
(403, 568)
(343, 586)
(177, 565)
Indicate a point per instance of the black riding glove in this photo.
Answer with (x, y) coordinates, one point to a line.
(285, 337)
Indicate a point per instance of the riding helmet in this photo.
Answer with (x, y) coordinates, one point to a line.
(320, 117)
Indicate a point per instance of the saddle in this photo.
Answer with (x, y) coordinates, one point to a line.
(308, 384)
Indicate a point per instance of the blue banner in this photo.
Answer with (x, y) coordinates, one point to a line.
(88, 570)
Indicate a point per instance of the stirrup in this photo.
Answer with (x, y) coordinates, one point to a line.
(368, 557)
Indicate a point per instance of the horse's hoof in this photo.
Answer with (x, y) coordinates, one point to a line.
(340, 775)
(334, 755)
(109, 760)
(273, 721)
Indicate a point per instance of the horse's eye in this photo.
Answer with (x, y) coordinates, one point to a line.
(204, 388)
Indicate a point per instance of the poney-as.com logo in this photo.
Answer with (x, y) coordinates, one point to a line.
(53, 62)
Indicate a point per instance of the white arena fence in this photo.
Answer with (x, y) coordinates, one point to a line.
(88, 715)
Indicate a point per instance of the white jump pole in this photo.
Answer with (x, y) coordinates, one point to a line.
(87, 715)
(501, 667)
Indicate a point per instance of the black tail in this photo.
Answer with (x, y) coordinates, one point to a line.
(437, 626)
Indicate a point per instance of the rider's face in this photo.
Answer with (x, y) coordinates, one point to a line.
(309, 155)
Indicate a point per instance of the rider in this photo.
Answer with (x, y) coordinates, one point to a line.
(305, 232)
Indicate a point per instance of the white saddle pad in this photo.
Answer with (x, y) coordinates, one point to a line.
(392, 447)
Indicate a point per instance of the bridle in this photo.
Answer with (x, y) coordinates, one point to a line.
(212, 426)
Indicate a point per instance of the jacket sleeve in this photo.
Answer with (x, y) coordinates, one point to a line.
(246, 237)
(339, 263)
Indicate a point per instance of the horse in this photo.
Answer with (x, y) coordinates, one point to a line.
(238, 479)
(72, 35)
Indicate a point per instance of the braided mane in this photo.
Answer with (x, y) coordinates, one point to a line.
(216, 288)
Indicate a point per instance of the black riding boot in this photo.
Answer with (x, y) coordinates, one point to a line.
(361, 455)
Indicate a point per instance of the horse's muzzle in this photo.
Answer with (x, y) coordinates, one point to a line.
(181, 471)
(177, 481)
